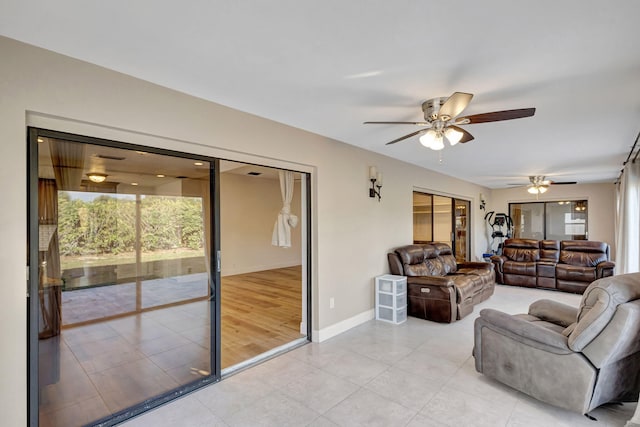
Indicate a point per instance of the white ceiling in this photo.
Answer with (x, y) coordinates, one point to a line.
(328, 66)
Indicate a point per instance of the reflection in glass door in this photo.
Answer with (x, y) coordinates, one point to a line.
(122, 279)
(461, 222)
(442, 219)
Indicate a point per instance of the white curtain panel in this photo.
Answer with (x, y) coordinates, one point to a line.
(627, 220)
(282, 228)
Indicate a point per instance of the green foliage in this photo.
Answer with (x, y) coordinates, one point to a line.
(107, 224)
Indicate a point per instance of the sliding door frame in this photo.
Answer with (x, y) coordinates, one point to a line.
(214, 261)
(452, 233)
(33, 274)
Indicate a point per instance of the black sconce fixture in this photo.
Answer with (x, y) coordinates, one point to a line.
(376, 182)
(483, 203)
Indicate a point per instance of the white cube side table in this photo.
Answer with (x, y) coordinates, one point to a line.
(391, 298)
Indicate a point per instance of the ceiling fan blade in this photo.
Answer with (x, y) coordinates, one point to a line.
(398, 123)
(497, 116)
(405, 137)
(562, 182)
(454, 105)
(466, 136)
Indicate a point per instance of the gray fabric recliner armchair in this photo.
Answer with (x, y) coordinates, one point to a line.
(574, 358)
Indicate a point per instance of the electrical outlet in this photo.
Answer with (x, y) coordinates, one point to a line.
(332, 302)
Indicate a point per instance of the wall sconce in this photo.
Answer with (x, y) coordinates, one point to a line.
(483, 203)
(376, 182)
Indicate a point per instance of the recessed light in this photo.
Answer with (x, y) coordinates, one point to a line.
(40, 140)
(134, 183)
(198, 163)
(160, 175)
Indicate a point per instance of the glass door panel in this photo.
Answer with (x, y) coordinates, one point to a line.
(462, 234)
(442, 220)
(422, 217)
(124, 308)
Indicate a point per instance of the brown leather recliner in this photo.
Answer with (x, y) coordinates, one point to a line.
(439, 288)
(517, 264)
(582, 262)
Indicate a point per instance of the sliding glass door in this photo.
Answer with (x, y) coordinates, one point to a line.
(127, 246)
(442, 219)
(123, 287)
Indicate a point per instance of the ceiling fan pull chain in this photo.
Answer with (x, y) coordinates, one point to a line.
(440, 157)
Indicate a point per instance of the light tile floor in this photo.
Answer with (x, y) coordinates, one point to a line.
(419, 373)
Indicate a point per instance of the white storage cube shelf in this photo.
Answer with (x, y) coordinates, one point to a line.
(391, 298)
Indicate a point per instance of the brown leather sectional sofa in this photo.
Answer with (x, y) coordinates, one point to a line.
(566, 265)
(438, 288)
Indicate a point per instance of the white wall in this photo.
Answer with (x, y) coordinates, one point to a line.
(600, 197)
(248, 210)
(351, 233)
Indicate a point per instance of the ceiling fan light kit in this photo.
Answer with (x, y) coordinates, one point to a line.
(539, 189)
(442, 121)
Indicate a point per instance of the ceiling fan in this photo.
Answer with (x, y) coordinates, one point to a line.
(538, 184)
(442, 121)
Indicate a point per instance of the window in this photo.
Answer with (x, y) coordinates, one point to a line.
(561, 220)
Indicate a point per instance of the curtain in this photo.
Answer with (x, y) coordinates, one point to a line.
(67, 159)
(628, 220)
(50, 281)
(282, 228)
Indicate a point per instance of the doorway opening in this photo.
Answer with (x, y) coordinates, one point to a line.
(138, 293)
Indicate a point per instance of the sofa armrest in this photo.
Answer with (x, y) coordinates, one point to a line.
(498, 261)
(395, 265)
(554, 312)
(605, 269)
(446, 282)
(523, 331)
(479, 265)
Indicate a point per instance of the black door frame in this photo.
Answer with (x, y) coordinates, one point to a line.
(214, 259)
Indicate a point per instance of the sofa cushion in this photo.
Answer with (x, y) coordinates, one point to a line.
(575, 273)
(549, 250)
(445, 254)
(599, 304)
(583, 253)
(521, 254)
(519, 267)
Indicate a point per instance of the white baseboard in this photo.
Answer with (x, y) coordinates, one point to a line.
(340, 327)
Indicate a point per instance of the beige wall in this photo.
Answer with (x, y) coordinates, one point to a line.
(351, 233)
(601, 199)
(248, 210)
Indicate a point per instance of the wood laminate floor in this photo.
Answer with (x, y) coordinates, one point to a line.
(260, 311)
(91, 371)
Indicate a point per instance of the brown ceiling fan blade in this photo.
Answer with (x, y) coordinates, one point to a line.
(466, 136)
(454, 105)
(562, 182)
(497, 116)
(398, 123)
(405, 137)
